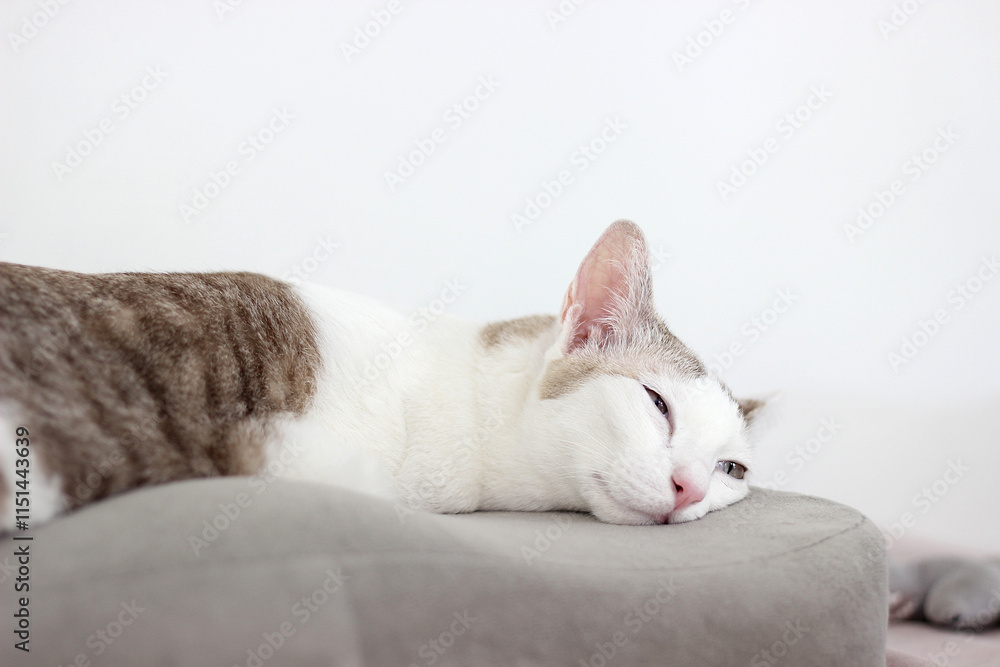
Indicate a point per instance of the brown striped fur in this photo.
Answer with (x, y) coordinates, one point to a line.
(132, 379)
(512, 331)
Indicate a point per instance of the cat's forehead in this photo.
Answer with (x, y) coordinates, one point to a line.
(666, 349)
(704, 403)
(648, 352)
(703, 407)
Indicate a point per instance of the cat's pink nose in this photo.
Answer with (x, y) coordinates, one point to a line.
(688, 492)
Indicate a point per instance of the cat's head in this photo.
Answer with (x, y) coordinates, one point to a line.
(647, 434)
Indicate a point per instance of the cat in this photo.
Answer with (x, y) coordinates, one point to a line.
(111, 382)
(958, 593)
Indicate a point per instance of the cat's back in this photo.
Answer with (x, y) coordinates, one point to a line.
(132, 378)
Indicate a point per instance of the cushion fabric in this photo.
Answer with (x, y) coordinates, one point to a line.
(237, 572)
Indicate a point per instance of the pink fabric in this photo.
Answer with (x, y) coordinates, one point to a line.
(935, 646)
(899, 659)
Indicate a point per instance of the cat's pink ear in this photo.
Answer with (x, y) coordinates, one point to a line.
(612, 289)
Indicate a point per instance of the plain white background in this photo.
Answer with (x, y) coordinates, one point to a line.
(118, 115)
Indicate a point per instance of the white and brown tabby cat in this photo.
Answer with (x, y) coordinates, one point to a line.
(129, 379)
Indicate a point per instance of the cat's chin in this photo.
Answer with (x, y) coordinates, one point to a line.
(700, 509)
(690, 513)
(627, 516)
(609, 509)
(624, 516)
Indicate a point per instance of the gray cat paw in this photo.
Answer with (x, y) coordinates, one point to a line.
(954, 593)
(968, 598)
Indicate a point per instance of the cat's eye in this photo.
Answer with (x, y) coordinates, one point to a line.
(732, 468)
(658, 401)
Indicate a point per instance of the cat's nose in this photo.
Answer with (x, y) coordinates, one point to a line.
(687, 491)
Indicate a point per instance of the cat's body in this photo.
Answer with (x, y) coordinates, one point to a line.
(123, 380)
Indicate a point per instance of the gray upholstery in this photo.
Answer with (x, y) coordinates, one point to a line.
(334, 578)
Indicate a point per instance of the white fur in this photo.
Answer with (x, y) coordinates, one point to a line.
(417, 408)
(45, 495)
(394, 394)
(457, 427)
(621, 457)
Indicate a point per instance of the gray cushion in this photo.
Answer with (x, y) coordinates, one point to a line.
(308, 574)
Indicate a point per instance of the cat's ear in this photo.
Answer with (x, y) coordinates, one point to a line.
(749, 408)
(612, 291)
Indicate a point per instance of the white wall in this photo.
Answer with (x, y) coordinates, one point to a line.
(881, 94)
